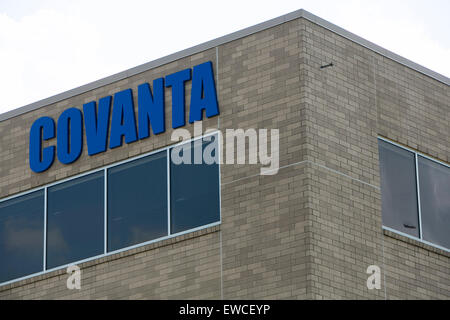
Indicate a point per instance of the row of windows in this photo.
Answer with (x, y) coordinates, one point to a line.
(415, 194)
(146, 199)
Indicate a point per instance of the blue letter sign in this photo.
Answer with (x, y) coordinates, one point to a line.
(176, 81)
(41, 159)
(151, 114)
(69, 136)
(123, 122)
(151, 107)
(203, 93)
(97, 124)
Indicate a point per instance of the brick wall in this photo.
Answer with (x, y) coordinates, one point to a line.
(308, 232)
(364, 95)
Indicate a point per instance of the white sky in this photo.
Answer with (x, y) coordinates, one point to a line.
(50, 46)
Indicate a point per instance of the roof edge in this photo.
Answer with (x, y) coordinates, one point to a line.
(219, 41)
(376, 48)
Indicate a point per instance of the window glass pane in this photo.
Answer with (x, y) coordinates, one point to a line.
(137, 201)
(194, 187)
(398, 189)
(75, 220)
(434, 181)
(21, 236)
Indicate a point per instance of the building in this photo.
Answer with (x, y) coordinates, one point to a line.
(362, 186)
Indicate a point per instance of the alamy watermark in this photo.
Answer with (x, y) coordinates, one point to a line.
(234, 145)
(374, 280)
(74, 279)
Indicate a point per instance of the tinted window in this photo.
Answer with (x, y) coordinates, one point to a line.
(194, 188)
(137, 201)
(398, 189)
(434, 180)
(21, 236)
(75, 220)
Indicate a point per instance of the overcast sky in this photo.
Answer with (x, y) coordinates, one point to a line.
(50, 46)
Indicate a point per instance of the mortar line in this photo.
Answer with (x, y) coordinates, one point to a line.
(382, 236)
(313, 163)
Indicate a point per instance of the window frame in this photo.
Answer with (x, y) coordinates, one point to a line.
(104, 169)
(106, 191)
(43, 222)
(47, 205)
(192, 146)
(417, 186)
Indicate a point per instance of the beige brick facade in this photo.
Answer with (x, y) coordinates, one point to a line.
(308, 232)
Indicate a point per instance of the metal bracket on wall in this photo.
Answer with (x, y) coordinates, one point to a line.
(327, 65)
